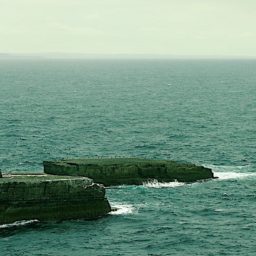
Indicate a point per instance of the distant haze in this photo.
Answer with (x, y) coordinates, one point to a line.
(220, 28)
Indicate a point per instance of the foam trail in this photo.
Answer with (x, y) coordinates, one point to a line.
(231, 172)
(18, 224)
(157, 184)
(122, 209)
(233, 175)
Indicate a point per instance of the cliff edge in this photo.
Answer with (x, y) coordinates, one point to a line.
(48, 197)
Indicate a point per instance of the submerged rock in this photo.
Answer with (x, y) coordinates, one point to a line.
(48, 197)
(117, 171)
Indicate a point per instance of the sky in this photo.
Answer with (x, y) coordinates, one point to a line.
(130, 27)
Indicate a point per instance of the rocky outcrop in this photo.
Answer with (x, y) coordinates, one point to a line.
(47, 197)
(117, 171)
(1, 175)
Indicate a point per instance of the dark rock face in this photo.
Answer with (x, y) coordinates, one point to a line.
(47, 197)
(117, 171)
(1, 175)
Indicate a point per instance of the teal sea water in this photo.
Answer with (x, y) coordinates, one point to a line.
(201, 111)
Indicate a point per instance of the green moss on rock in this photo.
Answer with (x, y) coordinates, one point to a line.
(117, 171)
(47, 197)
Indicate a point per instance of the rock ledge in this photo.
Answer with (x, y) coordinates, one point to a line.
(117, 171)
(48, 197)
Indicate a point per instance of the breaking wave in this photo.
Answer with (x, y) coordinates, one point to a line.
(17, 224)
(122, 209)
(232, 172)
(157, 184)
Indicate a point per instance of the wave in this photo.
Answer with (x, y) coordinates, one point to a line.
(156, 184)
(122, 209)
(17, 224)
(227, 172)
(233, 175)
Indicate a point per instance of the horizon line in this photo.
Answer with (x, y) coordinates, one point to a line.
(53, 55)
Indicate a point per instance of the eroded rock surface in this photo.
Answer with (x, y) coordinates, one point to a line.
(48, 197)
(117, 171)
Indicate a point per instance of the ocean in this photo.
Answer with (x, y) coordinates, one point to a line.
(199, 111)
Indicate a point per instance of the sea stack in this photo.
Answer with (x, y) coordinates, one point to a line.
(48, 197)
(130, 171)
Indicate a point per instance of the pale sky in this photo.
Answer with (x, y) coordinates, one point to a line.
(154, 27)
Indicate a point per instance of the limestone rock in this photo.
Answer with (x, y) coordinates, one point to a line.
(48, 197)
(117, 171)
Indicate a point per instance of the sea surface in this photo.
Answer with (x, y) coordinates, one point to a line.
(200, 111)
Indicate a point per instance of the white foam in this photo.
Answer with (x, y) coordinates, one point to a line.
(233, 175)
(157, 184)
(122, 209)
(18, 224)
(236, 168)
(225, 172)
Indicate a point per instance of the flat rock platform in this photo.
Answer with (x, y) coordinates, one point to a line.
(48, 197)
(130, 171)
